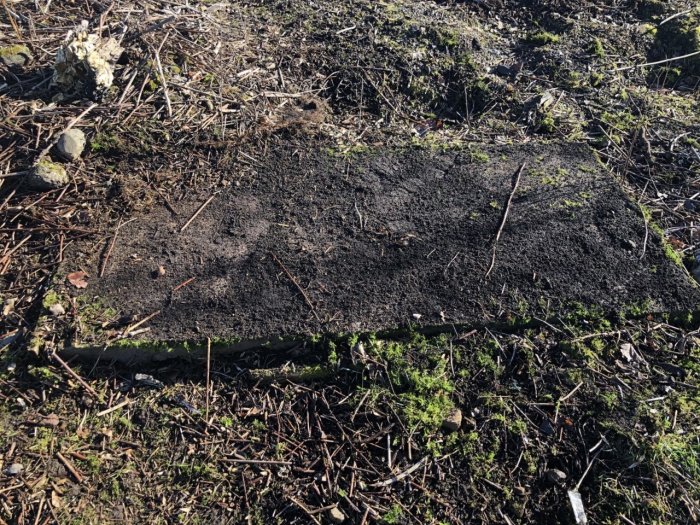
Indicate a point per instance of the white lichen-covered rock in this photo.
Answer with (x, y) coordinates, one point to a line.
(85, 63)
(71, 144)
(47, 175)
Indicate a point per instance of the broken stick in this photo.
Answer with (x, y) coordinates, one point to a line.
(298, 287)
(504, 217)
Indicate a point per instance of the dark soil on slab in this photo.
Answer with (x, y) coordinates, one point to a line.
(386, 239)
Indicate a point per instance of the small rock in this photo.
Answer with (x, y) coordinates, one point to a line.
(630, 244)
(145, 380)
(15, 56)
(47, 175)
(57, 309)
(546, 428)
(336, 515)
(555, 476)
(503, 70)
(14, 470)
(71, 144)
(453, 420)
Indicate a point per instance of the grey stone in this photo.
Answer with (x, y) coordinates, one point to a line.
(503, 70)
(14, 470)
(71, 144)
(47, 175)
(555, 476)
(15, 56)
(453, 420)
(336, 515)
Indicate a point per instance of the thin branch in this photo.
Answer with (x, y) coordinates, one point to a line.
(296, 284)
(503, 219)
(694, 53)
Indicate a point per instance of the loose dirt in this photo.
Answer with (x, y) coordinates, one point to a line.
(314, 243)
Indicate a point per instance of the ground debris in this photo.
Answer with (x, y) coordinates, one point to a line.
(85, 63)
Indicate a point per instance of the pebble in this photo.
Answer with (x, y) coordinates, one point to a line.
(71, 144)
(546, 428)
(555, 476)
(57, 309)
(47, 175)
(336, 515)
(503, 70)
(453, 420)
(14, 470)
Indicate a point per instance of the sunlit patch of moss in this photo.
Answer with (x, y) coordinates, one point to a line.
(547, 123)
(50, 298)
(596, 79)
(478, 156)
(541, 38)
(596, 48)
(104, 142)
(393, 516)
(418, 375)
(682, 451)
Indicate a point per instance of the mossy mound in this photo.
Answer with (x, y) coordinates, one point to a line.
(678, 37)
(17, 55)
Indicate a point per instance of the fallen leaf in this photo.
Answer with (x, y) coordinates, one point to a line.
(627, 352)
(56, 501)
(77, 279)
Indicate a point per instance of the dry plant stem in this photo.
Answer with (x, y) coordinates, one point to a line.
(400, 476)
(139, 323)
(504, 218)
(183, 284)
(70, 467)
(303, 507)
(162, 77)
(258, 461)
(114, 408)
(206, 414)
(646, 64)
(196, 214)
(75, 376)
(111, 246)
(562, 399)
(296, 284)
